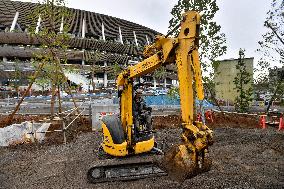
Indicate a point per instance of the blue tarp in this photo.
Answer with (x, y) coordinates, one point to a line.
(161, 100)
(165, 100)
(205, 103)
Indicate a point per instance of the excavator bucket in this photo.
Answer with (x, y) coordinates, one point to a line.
(179, 163)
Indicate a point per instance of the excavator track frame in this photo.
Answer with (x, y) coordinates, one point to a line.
(124, 170)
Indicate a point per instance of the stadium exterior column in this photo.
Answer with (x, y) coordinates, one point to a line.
(38, 25)
(120, 35)
(155, 82)
(165, 82)
(14, 22)
(105, 63)
(83, 36)
(135, 38)
(148, 43)
(84, 29)
(61, 25)
(103, 32)
(105, 75)
(83, 61)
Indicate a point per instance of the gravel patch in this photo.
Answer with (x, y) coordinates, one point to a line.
(242, 158)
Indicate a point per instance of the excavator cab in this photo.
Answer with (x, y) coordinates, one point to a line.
(114, 135)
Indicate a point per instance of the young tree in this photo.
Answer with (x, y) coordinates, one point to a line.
(45, 19)
(43, 83)
(212, 41)
(53, 46)
(242, 83)
(272, 50)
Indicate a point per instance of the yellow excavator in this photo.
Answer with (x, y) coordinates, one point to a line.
(130, 135)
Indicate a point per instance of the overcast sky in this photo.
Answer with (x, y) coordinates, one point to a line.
(241, 20)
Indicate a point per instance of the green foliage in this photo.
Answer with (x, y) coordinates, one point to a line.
(116, 70)
(42, 82)
(160, 73)
(173, 93)
(271, 49)
(212, 41)
(242, 83)
(52, 53)
(272, 45)
(53, 47)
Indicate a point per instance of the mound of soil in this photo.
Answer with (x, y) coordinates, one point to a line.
(167, 121)
(219, 120)
(20, 119)
(233, 120)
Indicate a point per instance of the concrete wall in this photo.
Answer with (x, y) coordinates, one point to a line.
(225, 89)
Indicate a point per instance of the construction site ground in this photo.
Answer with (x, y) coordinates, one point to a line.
(243, 157)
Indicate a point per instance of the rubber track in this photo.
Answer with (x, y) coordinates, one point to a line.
(124, 172)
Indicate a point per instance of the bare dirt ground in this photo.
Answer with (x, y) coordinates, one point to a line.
(242, 158)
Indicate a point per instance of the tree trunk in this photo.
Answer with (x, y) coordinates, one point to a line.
(53, 89)
(274, 95)
(59, 100)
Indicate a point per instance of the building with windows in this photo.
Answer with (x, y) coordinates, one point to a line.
(225, 75)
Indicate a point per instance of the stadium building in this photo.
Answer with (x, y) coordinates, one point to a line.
(95, 39)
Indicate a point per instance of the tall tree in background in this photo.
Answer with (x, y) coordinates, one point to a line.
(243, 85)
(212, 42)
(48, 15)
(272, 51)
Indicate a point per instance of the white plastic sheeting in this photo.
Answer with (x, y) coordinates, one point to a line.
(23, 133)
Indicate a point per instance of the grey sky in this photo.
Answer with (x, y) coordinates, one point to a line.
(241, 20)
